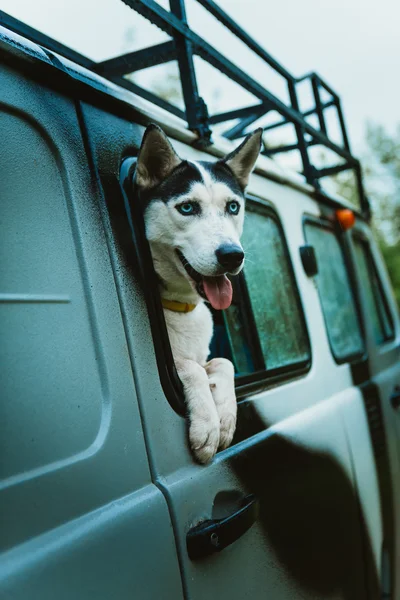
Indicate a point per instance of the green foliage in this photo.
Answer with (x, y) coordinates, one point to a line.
(391, 254)
(386, 148)
(384, 177)
(345, 186)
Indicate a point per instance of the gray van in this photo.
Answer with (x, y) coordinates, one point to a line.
(99, 494)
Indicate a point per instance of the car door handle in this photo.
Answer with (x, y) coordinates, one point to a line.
(214, 535)
(395, 397)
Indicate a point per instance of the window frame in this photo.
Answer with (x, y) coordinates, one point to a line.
(262, 378)
(359, 237)
(326, 224)
(137, 250)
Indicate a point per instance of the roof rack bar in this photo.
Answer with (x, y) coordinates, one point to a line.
(183, 46)
(238, 113)
(329, 171)
(327, 87)
(153, 98)
(279, 149)
(138, 60)
(230, 24)
(172, 25)
(320, 81)
(196, 109)
(318, 104)
(324, 105)
(236, 74)
(365, 204)
(279, 123)
(237, 130)
(342, 125)
(306, 113)
(301, 142)
(287, 148)
(46, 41)
(243, 112)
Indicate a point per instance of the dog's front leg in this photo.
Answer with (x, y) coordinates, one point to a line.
(221, 377)
(202, 412)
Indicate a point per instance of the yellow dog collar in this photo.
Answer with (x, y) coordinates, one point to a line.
(176, 306)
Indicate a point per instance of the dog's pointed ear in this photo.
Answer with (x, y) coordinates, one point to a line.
(156, 159)
(242, 160)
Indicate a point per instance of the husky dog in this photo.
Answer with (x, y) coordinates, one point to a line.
(194, 214)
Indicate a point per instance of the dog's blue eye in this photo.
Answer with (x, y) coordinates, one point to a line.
(233, 207)
(188, 208)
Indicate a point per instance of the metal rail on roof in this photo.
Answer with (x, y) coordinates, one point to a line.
(183, 46)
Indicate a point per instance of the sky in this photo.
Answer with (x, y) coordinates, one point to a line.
(354, 45)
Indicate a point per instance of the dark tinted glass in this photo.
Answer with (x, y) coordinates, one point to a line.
(377, 307)
(335, 293)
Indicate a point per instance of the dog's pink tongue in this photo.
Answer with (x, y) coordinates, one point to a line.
(218, 291)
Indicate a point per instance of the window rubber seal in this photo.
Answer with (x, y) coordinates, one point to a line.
(169, 378)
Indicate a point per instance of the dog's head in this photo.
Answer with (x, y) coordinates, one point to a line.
(194, 214)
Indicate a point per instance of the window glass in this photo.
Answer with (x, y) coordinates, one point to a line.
(372, 290)
(335, 293)
(282, 337)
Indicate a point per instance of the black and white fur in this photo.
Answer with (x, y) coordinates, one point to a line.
(191, 253)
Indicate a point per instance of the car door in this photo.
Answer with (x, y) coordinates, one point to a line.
(302, 456)
(383, 391)
(79, 509)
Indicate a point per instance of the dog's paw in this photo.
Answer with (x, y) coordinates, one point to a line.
(227, 430)
(204, 437)
(221, 381)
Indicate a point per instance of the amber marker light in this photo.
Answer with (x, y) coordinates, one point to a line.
(346, 218)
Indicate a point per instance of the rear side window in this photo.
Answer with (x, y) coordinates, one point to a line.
(378, 310)
(337, 300)
(265, 323)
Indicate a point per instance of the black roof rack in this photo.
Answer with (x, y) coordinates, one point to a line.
(182, 47)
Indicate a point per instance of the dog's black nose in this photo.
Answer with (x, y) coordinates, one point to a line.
(230, 256)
